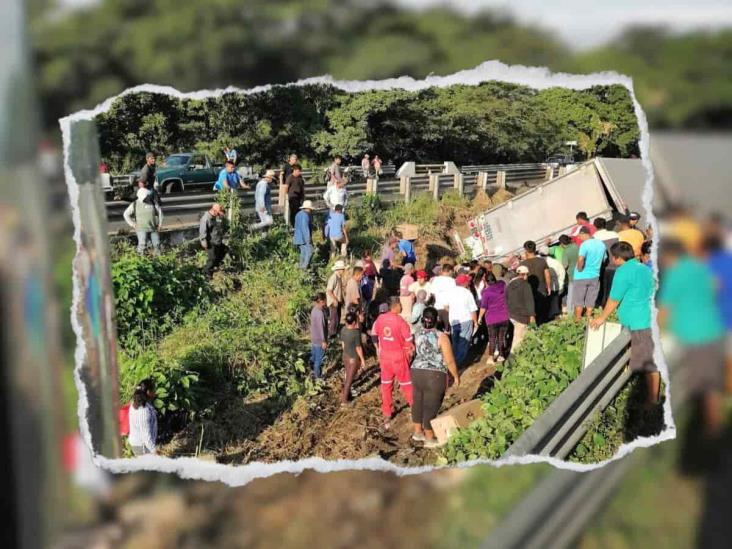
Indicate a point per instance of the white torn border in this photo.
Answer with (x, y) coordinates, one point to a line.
(238, 475)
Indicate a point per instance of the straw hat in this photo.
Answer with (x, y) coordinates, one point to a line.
(339, 265)
(269, 173)
(307, 205)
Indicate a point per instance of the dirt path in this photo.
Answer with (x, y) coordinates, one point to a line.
(320, 427)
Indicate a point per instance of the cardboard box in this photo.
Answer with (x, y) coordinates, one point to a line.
(409, 231)
(458, 417)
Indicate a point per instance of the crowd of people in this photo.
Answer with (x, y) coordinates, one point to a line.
(426, 325)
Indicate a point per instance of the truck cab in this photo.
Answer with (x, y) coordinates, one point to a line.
(182, 171)
(175, 174)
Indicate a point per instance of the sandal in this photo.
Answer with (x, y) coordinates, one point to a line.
(418, 437)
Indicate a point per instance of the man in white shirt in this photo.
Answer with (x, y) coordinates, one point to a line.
(336, 194)
(441, 287)
(421, 284)
(558, 276)
(603, 233)
(263, 200)
(463, 315)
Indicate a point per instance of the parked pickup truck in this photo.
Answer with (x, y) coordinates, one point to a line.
(179, 172)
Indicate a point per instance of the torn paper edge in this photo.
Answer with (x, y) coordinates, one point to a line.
(238, 475)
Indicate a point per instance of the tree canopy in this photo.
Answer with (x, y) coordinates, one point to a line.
(489, 123)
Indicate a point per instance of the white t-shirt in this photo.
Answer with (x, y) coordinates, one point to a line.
(441, 286)
(414, 288)
(558, 273)
(461, 305)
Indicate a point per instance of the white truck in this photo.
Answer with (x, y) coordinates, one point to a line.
(601, 187)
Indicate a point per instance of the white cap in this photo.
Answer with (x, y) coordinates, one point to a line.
(269, 173)
(307, 205)
(522, 269)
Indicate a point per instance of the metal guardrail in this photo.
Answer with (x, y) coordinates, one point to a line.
(185, 206)
(556, 511)
(563, 424)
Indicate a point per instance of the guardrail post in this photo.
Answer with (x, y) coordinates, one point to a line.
(434, 180)
(483, 180)
(408, 190)
(281, 196)
(455, 182)
(369, 185)
(562, 170)
(287, 213)
(403, 184)
(501, 179)
(435, 186)
(549, 173)
(460, 183)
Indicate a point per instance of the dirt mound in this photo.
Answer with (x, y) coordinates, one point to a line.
(501, 196)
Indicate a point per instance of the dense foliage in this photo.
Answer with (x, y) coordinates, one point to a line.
(88, 55)
(153, 293)
(549, 359)
(488, 123)
(239, 334)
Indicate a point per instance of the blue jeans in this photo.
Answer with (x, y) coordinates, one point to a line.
(306, 252)
(142, 241)
(317, 354)
(461, 335)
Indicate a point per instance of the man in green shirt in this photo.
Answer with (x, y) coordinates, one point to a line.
(631, 293)
(567, 252)
(688, 308)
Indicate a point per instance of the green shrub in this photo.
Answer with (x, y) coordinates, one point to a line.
(152, 294)
(176, 389)
(549, 359)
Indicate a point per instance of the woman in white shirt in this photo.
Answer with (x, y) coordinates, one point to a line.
(143, 425)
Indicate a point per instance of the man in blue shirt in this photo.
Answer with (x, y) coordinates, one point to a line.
(228, 178)
(586, 280)
(631, 294)
(407, 248)
(303, 238)
(335, 230)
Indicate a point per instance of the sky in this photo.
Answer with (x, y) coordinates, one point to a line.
(585, 24)
(581, 24)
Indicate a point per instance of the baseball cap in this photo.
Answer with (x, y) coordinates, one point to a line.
(421, 273)
(634, 216)
(462, 280)
(522, 269)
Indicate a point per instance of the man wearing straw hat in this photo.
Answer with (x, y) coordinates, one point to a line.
(335, 296)
(263, 200)
(303, 238)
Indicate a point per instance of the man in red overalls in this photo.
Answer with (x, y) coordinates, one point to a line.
(395, 348)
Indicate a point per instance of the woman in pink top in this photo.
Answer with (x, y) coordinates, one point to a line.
(405, 294)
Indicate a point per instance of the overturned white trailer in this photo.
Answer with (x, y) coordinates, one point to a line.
(601, 187)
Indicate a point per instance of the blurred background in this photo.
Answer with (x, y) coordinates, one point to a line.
(59, 56)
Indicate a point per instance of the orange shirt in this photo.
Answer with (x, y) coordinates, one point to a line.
(633, 237)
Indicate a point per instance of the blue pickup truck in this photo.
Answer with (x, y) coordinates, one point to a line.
(178, 173)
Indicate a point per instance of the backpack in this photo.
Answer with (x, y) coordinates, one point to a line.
(327, 176)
